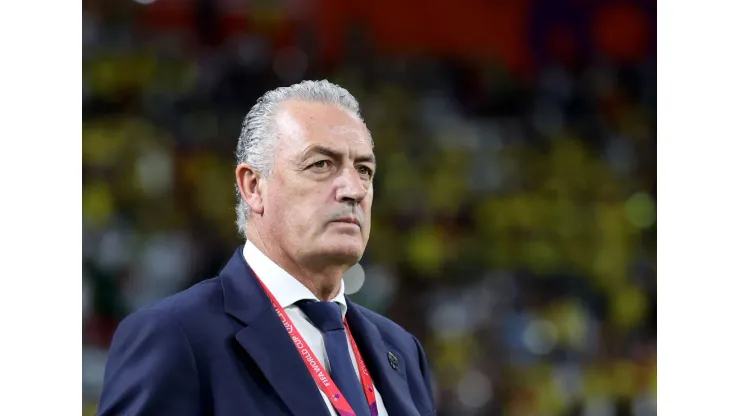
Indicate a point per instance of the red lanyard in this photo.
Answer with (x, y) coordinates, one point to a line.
(322, 378)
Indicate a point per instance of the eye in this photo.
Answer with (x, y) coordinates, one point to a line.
(364, 170)
(320, 165)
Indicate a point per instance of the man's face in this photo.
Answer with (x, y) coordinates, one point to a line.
(317, 201)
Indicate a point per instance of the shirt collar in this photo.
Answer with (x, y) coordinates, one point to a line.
(286, 289)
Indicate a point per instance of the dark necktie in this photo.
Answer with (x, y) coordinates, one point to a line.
(327, 317)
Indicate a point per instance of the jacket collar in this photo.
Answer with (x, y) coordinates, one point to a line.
(265, 339)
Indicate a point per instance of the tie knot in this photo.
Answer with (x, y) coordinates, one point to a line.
(327, 316)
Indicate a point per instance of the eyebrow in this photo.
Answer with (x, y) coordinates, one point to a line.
(334, 154)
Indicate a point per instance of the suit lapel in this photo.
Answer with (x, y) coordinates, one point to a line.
(270, 347)
(390, 382)
(264, 338)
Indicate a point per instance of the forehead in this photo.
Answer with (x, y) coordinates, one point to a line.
(301, 124)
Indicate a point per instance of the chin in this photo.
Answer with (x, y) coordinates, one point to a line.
(348, 251)
(351, 254)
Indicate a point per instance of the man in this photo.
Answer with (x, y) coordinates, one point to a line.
(274, 334)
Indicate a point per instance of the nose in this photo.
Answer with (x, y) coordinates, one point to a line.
(351, 187)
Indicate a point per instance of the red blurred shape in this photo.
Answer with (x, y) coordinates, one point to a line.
(621, 31)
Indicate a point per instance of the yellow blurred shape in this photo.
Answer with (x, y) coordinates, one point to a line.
(97, 204)
(597, 382)
(89, 409)
(640, 210)
(571, 322)
(447, 185)
(628, 307)
(624, 375)
(453, 357)
(612, 252)
(100, 145)
(550, 397)
(541, 255)
(426, 249)
(401, 186)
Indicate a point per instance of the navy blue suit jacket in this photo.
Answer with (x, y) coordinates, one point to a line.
(218, 348)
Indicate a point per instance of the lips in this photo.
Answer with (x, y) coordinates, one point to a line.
(349, 220)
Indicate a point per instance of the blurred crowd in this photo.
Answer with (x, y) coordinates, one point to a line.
(514, 214)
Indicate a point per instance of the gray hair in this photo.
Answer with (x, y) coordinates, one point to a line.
(256, 145)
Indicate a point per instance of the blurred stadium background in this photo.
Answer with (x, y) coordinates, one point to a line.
(514, 220)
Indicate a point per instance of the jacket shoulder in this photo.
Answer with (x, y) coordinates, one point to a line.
(420, 378)
(393, 332)
(192, 304)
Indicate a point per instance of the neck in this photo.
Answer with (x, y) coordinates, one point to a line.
(324, 286)
(322, 278)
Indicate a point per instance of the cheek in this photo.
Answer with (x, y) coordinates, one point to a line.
(305, 212)
(302, 207)
(284, 210)
(367, 203)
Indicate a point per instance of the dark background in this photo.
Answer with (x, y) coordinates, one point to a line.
(514, 219)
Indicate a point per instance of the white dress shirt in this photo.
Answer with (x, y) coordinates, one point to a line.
(287, 291)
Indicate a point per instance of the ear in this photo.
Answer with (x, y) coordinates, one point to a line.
(248, 181)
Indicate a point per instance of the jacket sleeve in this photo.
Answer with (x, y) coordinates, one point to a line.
(426, 374)
(151, 369)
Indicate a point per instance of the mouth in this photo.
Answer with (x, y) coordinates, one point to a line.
(349, 220)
